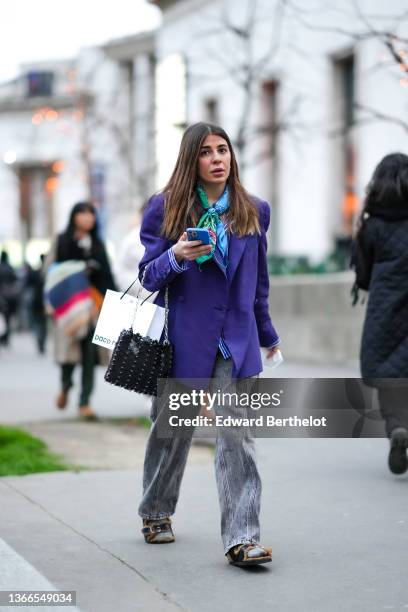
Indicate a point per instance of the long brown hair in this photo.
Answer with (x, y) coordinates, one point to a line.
(182, 208)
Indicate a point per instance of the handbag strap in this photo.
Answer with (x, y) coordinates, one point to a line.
(141, 285)
(166, 303)
(166, 314)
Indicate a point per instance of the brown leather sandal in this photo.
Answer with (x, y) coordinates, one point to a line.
(158, 531)
(249, 554)
(62, 400)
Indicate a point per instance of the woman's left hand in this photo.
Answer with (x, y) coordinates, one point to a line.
(270, 352)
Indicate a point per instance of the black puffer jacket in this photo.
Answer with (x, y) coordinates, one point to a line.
(382, 263)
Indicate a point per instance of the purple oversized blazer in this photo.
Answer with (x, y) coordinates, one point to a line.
(203, 303)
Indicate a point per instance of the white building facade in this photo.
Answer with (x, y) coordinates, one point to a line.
(76, 130)
(312, 101)
(315, 95)
(39, 135)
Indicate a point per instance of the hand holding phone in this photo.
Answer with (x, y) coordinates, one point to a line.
(190, 248)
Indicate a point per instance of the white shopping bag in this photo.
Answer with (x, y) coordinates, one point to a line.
(117, 314)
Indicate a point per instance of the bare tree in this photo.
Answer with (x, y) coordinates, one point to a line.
(247, 66)
(386, 34)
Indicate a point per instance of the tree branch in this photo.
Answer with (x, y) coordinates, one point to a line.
(376, 115)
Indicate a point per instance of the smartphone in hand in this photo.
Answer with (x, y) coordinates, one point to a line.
(198, 233)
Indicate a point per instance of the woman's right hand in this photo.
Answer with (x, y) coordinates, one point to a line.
(189, 249)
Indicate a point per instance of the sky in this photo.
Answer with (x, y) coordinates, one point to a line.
(32, 30)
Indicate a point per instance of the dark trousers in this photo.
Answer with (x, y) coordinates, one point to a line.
(88, 361)
(39, 327)
(394, 407)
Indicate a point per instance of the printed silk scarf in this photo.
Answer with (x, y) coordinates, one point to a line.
(211, 221)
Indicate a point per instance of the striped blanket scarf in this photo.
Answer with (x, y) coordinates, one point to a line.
(68, 292)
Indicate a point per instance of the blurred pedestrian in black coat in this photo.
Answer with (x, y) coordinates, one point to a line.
(9, 293)
(380, 259)
(38, 318)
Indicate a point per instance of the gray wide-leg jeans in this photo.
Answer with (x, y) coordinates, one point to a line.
(238, 481)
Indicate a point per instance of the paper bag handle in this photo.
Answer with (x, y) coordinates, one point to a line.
(166, 302)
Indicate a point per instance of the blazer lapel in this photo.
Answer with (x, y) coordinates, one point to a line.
(236, 249)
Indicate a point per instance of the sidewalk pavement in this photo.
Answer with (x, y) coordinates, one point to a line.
(104, 445)
(30, 383)
(336, 519)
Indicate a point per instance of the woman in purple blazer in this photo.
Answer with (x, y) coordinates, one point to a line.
(218, 319)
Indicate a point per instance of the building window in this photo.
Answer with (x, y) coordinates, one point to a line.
(267, 158)
(345, 68)
(39, 84)
(345, 151)
(98, 195)
(211, 110)
(128, 72)
(37, 185)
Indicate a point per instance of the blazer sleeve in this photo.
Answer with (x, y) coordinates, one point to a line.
(268, 336)
(156, 262)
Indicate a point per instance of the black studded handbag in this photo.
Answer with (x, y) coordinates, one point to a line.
(137, 361)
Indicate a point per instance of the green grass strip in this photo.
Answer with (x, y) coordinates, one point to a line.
(21, 454)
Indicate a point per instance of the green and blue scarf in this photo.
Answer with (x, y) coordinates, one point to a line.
(211, 220)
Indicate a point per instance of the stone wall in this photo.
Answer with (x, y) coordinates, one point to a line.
(314, 317)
